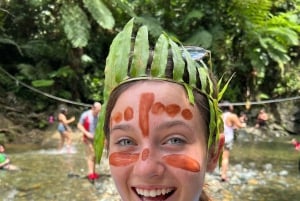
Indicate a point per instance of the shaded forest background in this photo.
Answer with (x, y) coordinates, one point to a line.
(59, 47)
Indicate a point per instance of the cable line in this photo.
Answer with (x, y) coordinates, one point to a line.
(89, 105)
(43, 93)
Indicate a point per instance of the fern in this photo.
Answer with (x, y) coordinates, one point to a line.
(254, 11)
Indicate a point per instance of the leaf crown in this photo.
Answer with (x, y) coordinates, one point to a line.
(128, 60)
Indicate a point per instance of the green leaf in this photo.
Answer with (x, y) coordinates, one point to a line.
(99, 135)
(118, 58)
(200, 38)
(190, 67)
(195, 14)
(284, 35)
(190, 94)
(140, 54)
(160, 58)
(212, 122)
(203, 77)
(76, 25)
(42, 83)
(100, 13)
(152, 23)
(222, 91)
(11, 42)
(178, 62)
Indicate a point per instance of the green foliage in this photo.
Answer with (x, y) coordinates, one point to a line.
(243, 36)
(100, 13)
(75, 24)
(42, 83)
(10, 42)
(62, 72)
(200, 38)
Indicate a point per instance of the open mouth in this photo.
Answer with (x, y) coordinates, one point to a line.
(154, 194)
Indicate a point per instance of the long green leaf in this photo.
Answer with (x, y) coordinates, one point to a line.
(100, 136)
(118, 58)
(178, 62)
(140, 54)
(160, 57)
(191, 68)
(42, 83)
(203, 77)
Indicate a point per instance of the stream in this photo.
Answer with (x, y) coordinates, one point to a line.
(259, 170)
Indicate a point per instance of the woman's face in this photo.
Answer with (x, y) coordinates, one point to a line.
(157, 148)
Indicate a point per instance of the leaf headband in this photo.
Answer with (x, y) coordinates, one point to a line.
(124, 64)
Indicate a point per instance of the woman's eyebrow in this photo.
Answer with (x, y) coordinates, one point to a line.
(123, 127)
(170, 124)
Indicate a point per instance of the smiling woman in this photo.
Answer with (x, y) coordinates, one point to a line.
(160, 118)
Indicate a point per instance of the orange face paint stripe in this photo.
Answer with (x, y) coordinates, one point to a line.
(146, 102)
(122, 159)
(187, 114)
(182, 162)
(172, 109)
(158, 108)
(145, 154)
(128, 113)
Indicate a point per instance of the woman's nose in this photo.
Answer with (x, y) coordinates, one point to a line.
(149, 165)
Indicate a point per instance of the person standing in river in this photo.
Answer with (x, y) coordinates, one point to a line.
(64, 129)
(87, 125)
(231, 122)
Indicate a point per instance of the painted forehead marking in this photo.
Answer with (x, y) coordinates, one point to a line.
(146, 102)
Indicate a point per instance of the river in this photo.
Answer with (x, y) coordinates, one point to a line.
(259, 171)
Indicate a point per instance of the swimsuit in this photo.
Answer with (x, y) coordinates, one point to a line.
(61, 128)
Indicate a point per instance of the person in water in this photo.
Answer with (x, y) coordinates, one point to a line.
(296, 144)
(64, 129)
(231, 122)
(161, 118)
(5, 162)
(262, 118)
(87, 125)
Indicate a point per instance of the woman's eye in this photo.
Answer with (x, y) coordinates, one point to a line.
(125, 142)
(175, 140)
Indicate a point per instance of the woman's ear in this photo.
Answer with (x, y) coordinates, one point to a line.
(214, 154)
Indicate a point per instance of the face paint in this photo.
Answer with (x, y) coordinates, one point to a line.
(187, 114)
(117, 117)
(128, 113)
(158, 108)
(122, 159)
(145, 154)
(146, 102)
(183, 162)
(172, 109)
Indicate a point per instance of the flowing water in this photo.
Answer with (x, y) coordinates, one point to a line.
(260, 170)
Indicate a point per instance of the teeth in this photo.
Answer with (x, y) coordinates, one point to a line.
(153, 193)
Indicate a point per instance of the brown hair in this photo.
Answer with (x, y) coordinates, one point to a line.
(201, 100)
